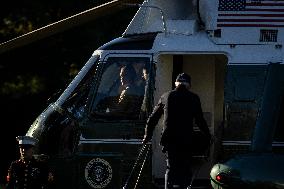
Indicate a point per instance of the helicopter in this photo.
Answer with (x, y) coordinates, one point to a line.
(227, 47)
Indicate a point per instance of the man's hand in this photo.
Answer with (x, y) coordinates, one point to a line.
(50, 177)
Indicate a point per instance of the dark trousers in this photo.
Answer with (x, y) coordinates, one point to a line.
(178, 174)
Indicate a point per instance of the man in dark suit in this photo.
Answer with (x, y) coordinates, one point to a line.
(180, 108)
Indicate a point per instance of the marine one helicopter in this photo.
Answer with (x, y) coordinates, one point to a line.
(227, 46)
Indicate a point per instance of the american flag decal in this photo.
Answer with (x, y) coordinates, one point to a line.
(250, 13)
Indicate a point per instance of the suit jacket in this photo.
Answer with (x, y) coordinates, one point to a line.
(180, 108)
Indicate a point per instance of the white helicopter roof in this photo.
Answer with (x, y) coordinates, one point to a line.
(153, 13)
(201, 43)
(225, 21)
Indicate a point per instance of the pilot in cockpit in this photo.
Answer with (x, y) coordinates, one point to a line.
(127, 104)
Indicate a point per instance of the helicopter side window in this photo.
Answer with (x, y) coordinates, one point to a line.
(60, 136)
(76, 102)
(122, 89)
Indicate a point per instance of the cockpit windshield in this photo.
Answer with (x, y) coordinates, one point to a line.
(122, 88)
(74, 98)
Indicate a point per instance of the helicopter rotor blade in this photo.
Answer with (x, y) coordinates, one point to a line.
(65, 24)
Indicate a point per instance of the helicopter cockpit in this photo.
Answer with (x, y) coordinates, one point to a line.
(98, 94)
(121, 90)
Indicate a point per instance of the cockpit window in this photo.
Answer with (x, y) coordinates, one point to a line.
(75, 103)
(122, 89)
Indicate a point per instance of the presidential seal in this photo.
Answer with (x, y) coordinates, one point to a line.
(98, 173)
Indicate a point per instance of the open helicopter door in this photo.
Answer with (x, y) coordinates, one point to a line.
(207, 72)
(112, 132)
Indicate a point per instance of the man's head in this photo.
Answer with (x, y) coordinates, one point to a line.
(26, 144)
(183, 79)
(127, 75)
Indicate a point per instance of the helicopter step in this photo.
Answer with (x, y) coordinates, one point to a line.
(196, 184)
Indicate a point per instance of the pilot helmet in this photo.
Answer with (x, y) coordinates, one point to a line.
(26, 141)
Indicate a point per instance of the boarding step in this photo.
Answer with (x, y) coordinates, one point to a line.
(197, 184)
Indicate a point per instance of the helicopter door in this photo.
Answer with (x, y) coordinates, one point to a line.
(243, 97)
(111, 134)
(207, 72)
(278, 139)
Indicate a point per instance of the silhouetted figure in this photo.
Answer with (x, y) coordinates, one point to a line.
(180, 108)
(127, 105)
(28, 172)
